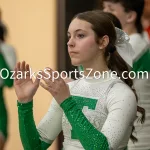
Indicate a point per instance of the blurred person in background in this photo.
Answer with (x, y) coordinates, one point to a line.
(7, 64)
(2, 24)
(130, 12)
(146, 19)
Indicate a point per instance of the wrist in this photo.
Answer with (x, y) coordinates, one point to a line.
(64, 99)
(24, 106)
(24, 101)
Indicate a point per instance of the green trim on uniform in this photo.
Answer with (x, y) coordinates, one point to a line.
(3, 115)
(29, 135)
(142, 63)
(88, 135)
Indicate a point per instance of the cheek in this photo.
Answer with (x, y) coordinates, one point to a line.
(88, 44)
(120, 16)
(88, 48)
(117, 14)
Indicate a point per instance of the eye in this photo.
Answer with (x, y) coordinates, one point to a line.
(80, 36)
(68, 37)
(111, 9)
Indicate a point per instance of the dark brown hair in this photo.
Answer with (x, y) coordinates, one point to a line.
(102, 25)
(114, 20)
(3, 32)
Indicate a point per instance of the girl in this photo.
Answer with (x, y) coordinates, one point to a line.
(7, 62)
(129, 12)
(94, 114)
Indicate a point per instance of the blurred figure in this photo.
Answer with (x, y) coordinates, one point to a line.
(146, 19)
(2, 24)
(7, 63)
(130, 12)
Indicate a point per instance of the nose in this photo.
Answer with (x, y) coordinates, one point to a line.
(71, 43)
(106, 10)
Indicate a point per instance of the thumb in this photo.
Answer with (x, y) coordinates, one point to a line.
(63, 75)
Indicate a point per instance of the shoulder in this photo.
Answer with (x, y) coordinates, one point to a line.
(122, 90)
(138, 42)
(7, 49)
(121, 94)
(6, 46)
(136, 37)
(9, 54)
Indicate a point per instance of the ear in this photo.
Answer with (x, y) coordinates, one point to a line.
(131, 16)
(103, 42)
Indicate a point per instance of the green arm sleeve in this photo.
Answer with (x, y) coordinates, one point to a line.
(3, 65)
(89, 136)
(29, 135)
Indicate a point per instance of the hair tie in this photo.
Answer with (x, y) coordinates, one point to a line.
(112, 49)
(123, 46)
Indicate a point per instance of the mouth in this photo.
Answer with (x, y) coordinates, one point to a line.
(73, 53)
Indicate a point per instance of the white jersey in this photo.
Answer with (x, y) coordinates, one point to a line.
(111, 109)
(142, 87)
(138, 43)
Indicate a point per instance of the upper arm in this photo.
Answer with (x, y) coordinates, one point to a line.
(51, 125)
(122, 107)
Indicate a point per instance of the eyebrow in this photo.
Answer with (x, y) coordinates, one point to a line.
(76, 30)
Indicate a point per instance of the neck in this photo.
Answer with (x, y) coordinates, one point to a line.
(130, 29)
(92, 70)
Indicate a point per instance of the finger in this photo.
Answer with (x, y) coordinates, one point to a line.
(22, 66)
(54, 75)
(27, 69)
(48, 82)
(45, 75)
(15, 74)
(49, 89)
(44, 86)
(51, 72)
(18, 66)
(64, 75)
(17, 69)
(37, 81)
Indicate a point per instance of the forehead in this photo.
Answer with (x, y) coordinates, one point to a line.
(79, 24)
(109, 3)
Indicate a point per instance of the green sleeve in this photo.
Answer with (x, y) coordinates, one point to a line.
(142, 63)
(89, 136)
(29, 135)
(3, 65)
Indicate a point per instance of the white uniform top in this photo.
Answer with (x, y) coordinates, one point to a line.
(9, 55)
(142, 87)
(114, 113)
(138, 43)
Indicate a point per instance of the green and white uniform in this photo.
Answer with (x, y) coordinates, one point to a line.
(7, 62)
(98, 115)
(142, 86)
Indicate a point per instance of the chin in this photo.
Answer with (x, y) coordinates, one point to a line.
(75, 63)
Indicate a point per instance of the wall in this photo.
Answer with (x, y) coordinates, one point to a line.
(32, 31)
